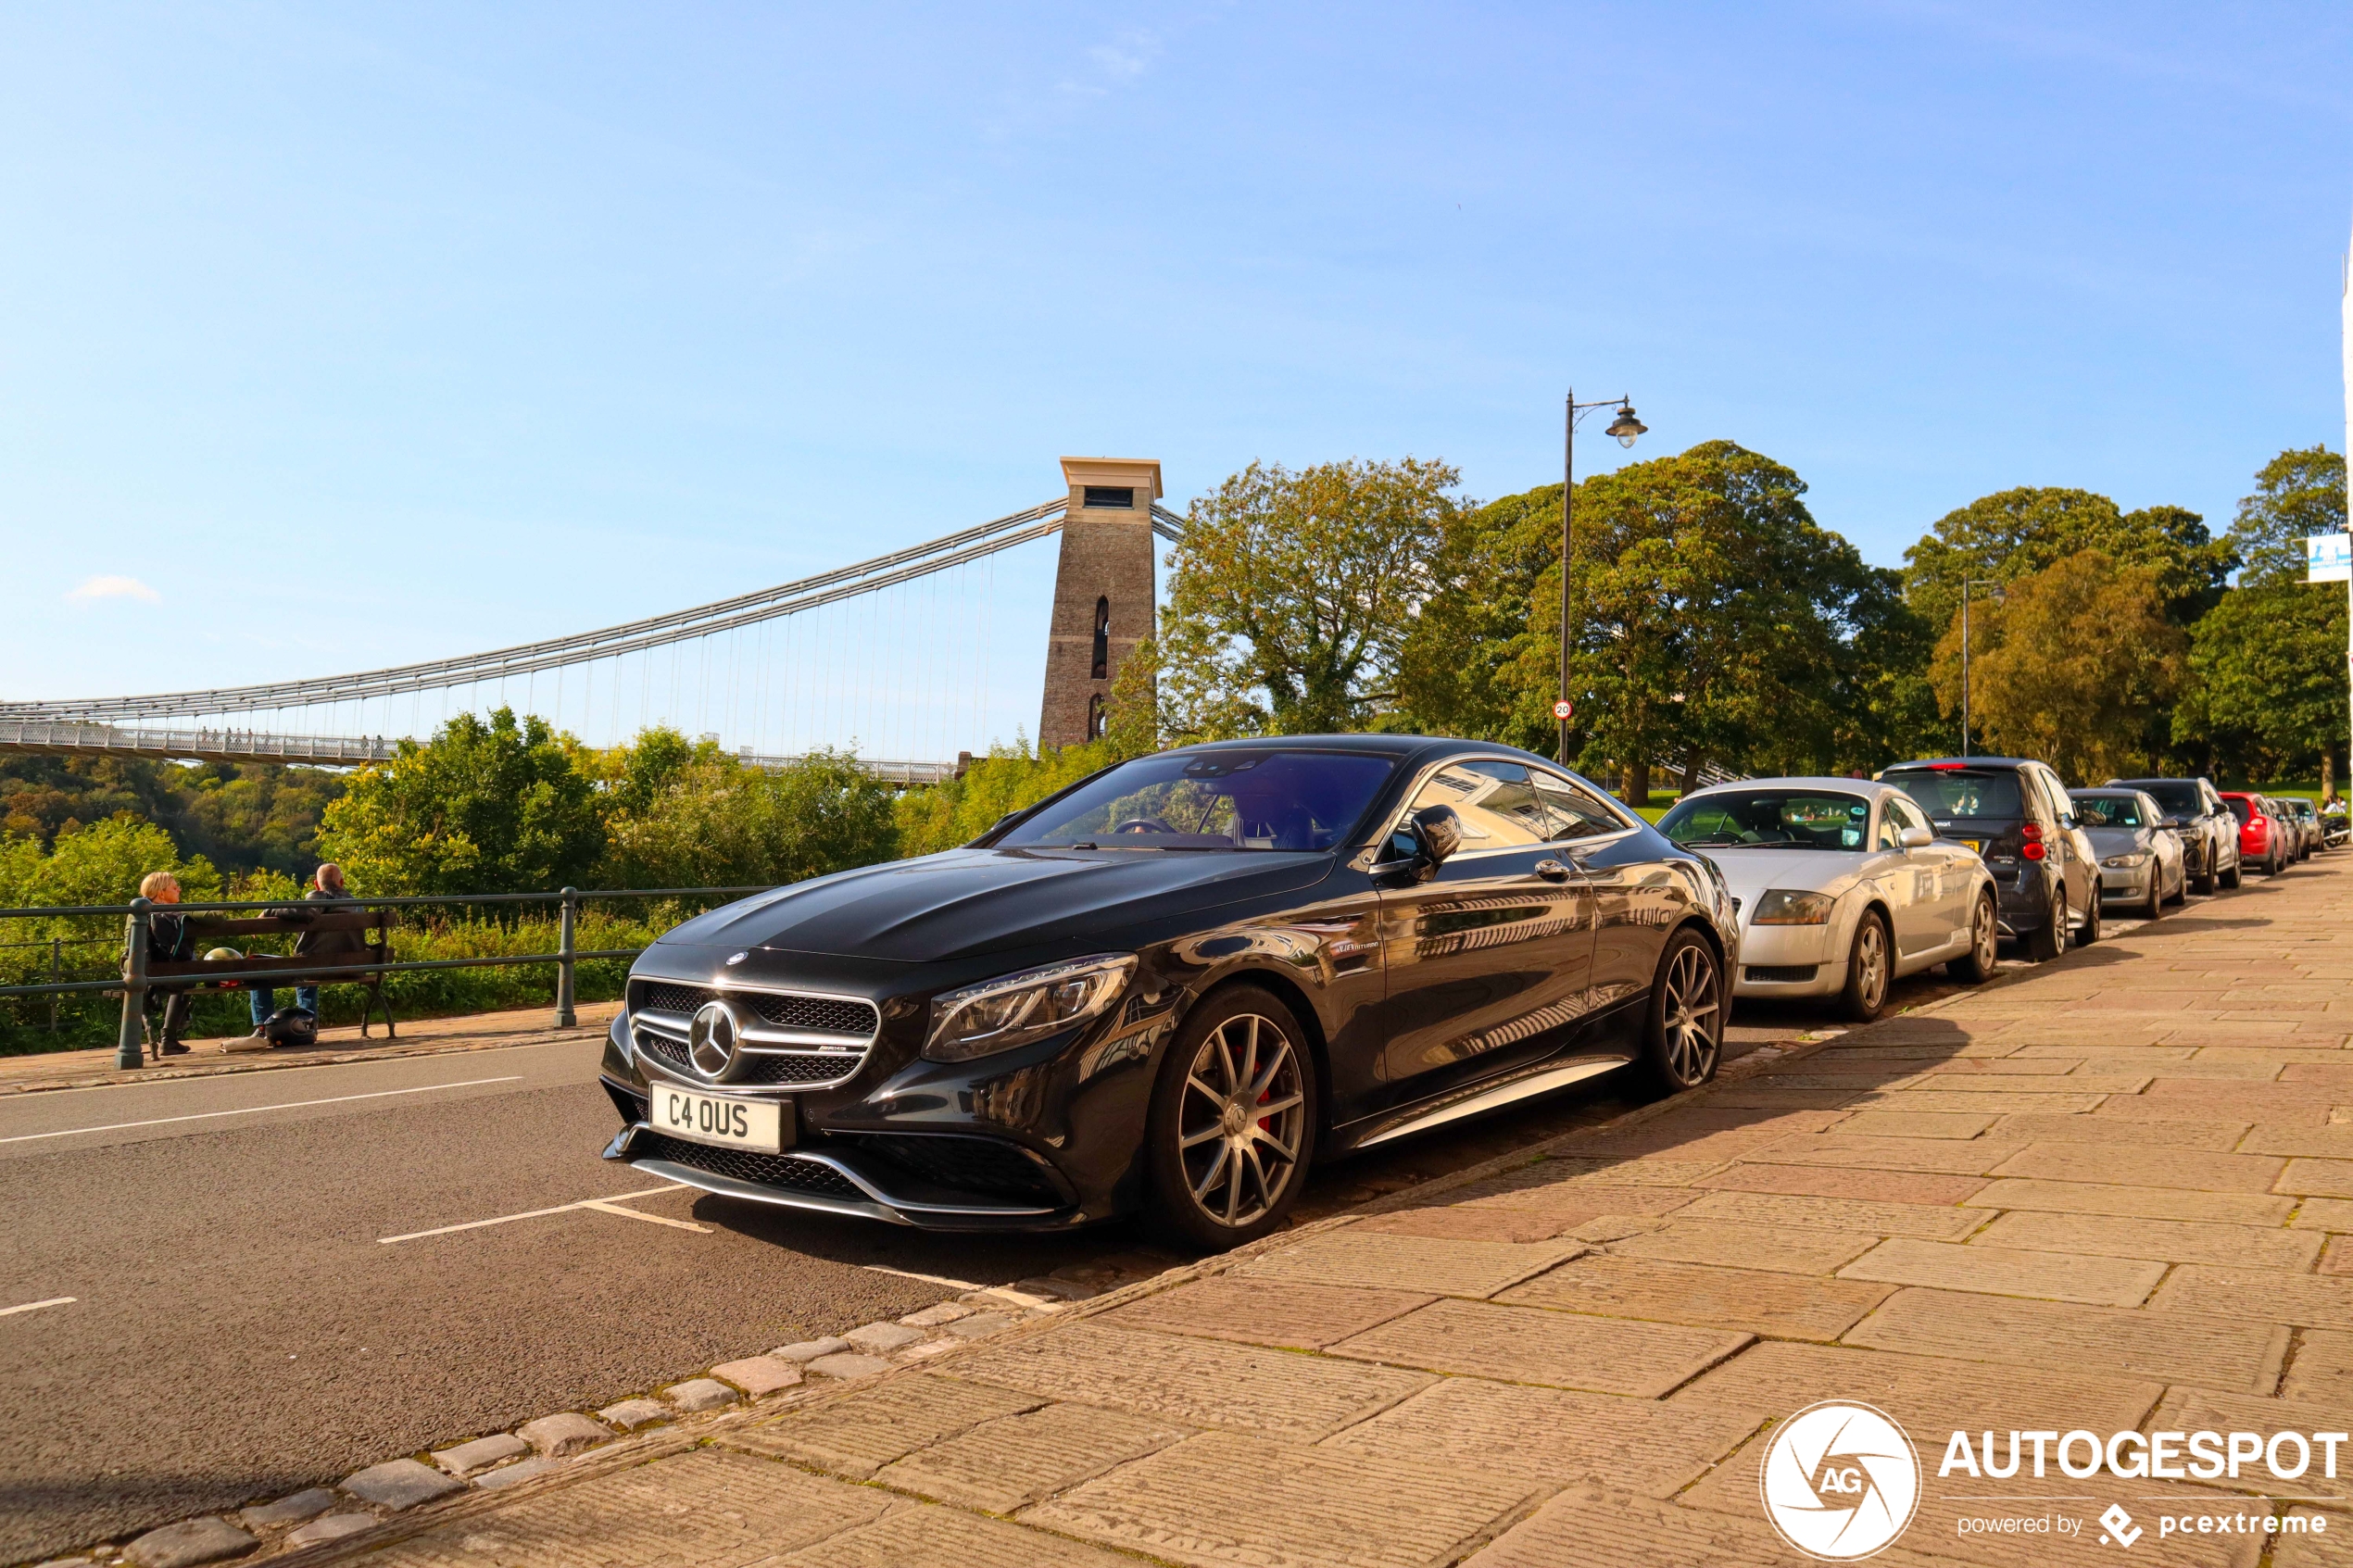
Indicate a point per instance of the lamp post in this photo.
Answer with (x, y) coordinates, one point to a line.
(1967, 584)
(1626, 427)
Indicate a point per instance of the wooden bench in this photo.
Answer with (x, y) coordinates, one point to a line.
(245, 974)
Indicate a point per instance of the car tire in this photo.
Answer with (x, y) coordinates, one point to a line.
(2154, 908)
(2049, 940)
(2204, 882)
(1211, 1192)
(2089, 931)
(2235, 876)
(1870, 969)
(1976, 966)
(1683, 1037)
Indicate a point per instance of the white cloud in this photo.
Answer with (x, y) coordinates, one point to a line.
(113, 588)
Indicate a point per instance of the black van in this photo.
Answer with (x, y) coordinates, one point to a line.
(2016, 814)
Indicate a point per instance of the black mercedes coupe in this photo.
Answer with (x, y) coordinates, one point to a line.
(1171, 987)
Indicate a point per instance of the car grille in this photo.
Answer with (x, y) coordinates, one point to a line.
(986, 1166)
(744, 1165)
(797, 1068)
(1781, 974)
(821, 1015)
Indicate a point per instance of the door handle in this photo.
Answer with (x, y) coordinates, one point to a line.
(1552, 870)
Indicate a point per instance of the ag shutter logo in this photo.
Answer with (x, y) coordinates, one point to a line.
(1840, 1480)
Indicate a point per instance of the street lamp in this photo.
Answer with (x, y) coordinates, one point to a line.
(1626, 427)
(1967, 584)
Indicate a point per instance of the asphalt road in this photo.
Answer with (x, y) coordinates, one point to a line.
(240, 1328)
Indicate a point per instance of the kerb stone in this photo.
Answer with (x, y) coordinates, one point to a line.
(563, 1434)
(192, 1541)
(400, 1483)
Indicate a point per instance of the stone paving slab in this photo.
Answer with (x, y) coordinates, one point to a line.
(2130, 1165)
(1970, 1104)
(1835, 1181)
(1956, 1156)
(1943, 1223)
(1782, 1248)
(2172, 1240)
(1646, 1171)
(921, 1537)
(708, 1509)
(1352, 1257)
(856, 1437)
(2134, 1203)
(1785, 1306)
(1223, 1498)
(1770, 1380)
(2273, 1294)
(1467, 1224)
(2203, 1410)
(1258, 1311)
(2213, 1138)
(1573, 1201)
(1002, 1466)
(2231, 1354)
(2319, 1143)
(1886, 1123)
(1560, 1349)
(2317, 1178)
(1553, 1436)
(2009, 1271)
(1196, 1382)
(1591, 1527)
(2321, 1369)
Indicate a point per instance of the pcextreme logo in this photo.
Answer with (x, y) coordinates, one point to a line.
(1840, 1480)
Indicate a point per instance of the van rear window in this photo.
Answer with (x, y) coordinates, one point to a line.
(1949, 793)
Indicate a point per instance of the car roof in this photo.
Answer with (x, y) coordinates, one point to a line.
(2109, 789)
(1393, 745)
(1920, 762)
(1871, 787)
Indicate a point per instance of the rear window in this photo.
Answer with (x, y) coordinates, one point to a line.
(1949, 793)
(2108, 811)
(2239, 808)
(2179, 796)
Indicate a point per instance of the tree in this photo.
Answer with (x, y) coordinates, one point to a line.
(693, 816)
(2017, 533)
(2072, 668)
(1291, 594)
(1715, 620)
(482, 806)
(2297, 493)
(1008, 779)
(2267, 695)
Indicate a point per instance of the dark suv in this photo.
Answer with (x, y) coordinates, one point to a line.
(2016, 813)
(2210, 834)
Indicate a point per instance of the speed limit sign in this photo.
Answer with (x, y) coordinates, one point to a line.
(1564, 708)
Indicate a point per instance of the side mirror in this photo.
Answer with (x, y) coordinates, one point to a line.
(1916, 838)
(1440, 832)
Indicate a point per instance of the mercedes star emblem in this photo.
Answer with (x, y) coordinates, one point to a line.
(711, 1040)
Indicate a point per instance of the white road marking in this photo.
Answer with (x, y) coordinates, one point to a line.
(601, 1207)
(257, 1109)
(36, 1306)
(927, 1279)
(541, 1213)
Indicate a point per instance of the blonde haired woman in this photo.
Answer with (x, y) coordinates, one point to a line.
(167, 942)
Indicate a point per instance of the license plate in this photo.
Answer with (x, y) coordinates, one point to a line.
(729, 1122)
(1975, 846)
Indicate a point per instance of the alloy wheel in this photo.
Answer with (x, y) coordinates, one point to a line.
(1693, 1002)
(1240, 1119)
(1870, 953)
(1983, 935)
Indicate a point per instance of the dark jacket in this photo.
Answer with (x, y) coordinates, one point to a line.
(327, 945)
(169, 940)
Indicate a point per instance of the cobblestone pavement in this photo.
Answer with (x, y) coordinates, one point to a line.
(2110, 1193)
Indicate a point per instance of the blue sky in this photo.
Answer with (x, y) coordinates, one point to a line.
(358, 334)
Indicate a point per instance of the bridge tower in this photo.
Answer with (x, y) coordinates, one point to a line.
(1104, 591)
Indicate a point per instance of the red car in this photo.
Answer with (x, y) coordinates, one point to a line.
(2265, 843)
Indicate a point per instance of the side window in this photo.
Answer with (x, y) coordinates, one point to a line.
(2046, 799)
(1497, 808)
(1898, 814)
(1575, 813)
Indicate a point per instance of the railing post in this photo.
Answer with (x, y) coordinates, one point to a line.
(130, 1045)
(565, 1017)
(56, 972)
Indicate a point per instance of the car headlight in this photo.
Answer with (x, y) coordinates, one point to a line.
(2124, 862)
(1783, 907)
(1015, 1009)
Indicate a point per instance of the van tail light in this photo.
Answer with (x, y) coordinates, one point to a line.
(2031, 831)
(2032, 850)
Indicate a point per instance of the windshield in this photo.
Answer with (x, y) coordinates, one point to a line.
(1952, 791)
(1777, 819)
(2109, 811)
(1256, 799)
(2178, 798)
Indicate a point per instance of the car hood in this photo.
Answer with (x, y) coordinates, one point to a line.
(1749, 873)
(966, 902)
(2118, 841)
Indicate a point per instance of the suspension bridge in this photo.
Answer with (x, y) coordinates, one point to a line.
(889, 655)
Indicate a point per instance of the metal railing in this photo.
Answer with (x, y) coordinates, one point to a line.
(138, 916)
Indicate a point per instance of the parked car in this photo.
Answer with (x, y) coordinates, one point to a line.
(1842, 887)
(2263, 840)
(2307, 822)
(2015, 814)
(2209, 832)
(2140, 863)
(1172, 988)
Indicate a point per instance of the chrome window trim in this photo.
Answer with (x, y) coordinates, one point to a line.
(1430, 770)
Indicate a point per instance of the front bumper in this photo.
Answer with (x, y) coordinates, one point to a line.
(2131, 884)
(1793, 961)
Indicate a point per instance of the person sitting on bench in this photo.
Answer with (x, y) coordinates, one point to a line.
(321, 946)
(167, 942)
